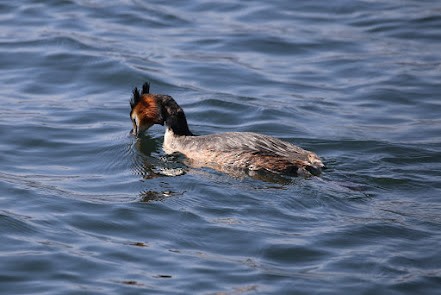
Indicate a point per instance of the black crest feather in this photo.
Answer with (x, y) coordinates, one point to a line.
(135, 98)
(145, 88)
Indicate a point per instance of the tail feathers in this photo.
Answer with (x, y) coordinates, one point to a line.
(314, 170)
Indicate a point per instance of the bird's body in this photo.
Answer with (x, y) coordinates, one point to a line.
(228, 151)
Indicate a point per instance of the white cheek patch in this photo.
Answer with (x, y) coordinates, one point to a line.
(135, 124)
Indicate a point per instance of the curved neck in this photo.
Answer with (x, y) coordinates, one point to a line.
(174, 117)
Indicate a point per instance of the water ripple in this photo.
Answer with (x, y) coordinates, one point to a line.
(86, 207)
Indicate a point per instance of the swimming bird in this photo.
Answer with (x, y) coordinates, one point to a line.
(240, 151)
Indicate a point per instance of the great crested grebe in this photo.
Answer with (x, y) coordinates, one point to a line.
(246, 151)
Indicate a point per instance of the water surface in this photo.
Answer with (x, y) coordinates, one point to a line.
(87, 208)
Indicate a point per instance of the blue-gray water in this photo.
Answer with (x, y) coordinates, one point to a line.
(86, 209)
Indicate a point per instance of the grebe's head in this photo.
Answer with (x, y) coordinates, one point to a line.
(145, 110)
